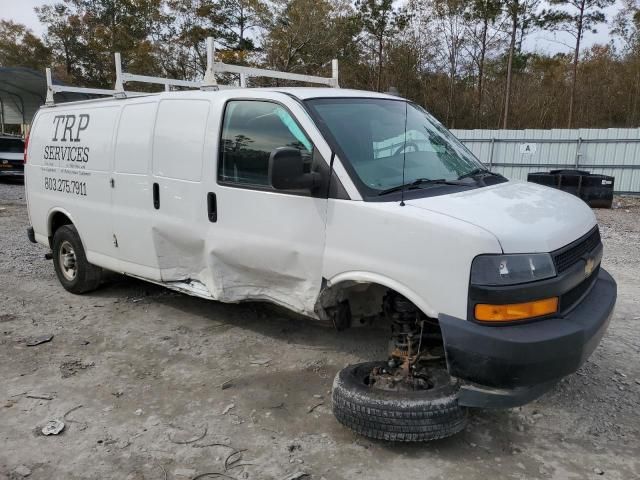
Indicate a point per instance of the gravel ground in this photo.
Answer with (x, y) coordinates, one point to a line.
(136, 373)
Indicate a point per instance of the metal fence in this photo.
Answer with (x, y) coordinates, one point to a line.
(515, 153)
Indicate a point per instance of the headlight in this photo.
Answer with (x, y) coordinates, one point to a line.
(511, 269)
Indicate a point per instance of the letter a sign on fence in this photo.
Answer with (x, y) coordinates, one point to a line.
(528, 148)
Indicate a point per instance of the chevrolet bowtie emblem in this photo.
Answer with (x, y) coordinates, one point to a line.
(588, 268)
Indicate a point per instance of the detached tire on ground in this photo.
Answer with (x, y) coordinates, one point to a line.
(75, 273)
(404, 416)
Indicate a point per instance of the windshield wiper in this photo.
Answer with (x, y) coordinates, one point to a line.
(477, 172)
(418, 182)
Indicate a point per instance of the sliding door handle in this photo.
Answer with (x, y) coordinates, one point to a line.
(156, 196)
(212, 207)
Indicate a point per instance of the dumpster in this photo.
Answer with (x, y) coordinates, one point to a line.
(595, 190)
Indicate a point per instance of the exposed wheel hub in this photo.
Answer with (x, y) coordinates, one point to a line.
(67, 260)
(413, 359)
(395, 379)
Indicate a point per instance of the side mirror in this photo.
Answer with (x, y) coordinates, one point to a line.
(286, 171)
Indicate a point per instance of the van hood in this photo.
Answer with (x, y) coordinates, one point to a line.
(524, 217)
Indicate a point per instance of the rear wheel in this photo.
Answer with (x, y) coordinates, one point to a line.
(75, 273)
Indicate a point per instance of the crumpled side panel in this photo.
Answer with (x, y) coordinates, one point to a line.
(234, 270)
(179, 250)
(275, 272)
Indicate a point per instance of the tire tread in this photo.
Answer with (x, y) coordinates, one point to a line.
(381, 418)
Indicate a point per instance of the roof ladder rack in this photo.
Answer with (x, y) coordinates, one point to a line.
(209, 81)
(246, 72)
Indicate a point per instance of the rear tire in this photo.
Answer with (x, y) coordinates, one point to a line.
(399, 416)
(75, 273)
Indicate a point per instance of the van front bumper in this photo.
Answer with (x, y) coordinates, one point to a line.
(507, 366)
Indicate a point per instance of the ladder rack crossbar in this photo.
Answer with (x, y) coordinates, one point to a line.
(90, 91)
(220, 67)
(130, 77)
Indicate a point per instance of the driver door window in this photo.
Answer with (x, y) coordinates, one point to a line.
(251, 130)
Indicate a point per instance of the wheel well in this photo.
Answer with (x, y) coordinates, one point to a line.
(57, 220)
(363, 302)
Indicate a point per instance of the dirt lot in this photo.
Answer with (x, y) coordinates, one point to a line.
(138, 372)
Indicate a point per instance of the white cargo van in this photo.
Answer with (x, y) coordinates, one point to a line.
(340, 205)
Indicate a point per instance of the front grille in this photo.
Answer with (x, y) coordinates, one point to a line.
(570, 298)
(569, 255)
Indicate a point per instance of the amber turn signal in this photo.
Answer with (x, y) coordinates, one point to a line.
(516, 311)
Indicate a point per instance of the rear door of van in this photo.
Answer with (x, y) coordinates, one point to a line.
(132, 193)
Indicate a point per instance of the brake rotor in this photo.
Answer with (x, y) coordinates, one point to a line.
(396, 379)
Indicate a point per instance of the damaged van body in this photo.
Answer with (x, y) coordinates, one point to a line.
(340, 205)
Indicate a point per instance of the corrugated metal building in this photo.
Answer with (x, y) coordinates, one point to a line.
(515, 153)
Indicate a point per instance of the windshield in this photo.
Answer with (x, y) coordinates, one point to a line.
(371, 135)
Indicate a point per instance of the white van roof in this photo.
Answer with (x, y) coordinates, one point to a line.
(304, 93)
(301, 93)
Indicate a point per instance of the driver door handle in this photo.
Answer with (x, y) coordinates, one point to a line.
(212, 207)
(156, 196)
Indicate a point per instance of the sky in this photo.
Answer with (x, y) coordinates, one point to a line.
(550, 42)
(21, 11)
